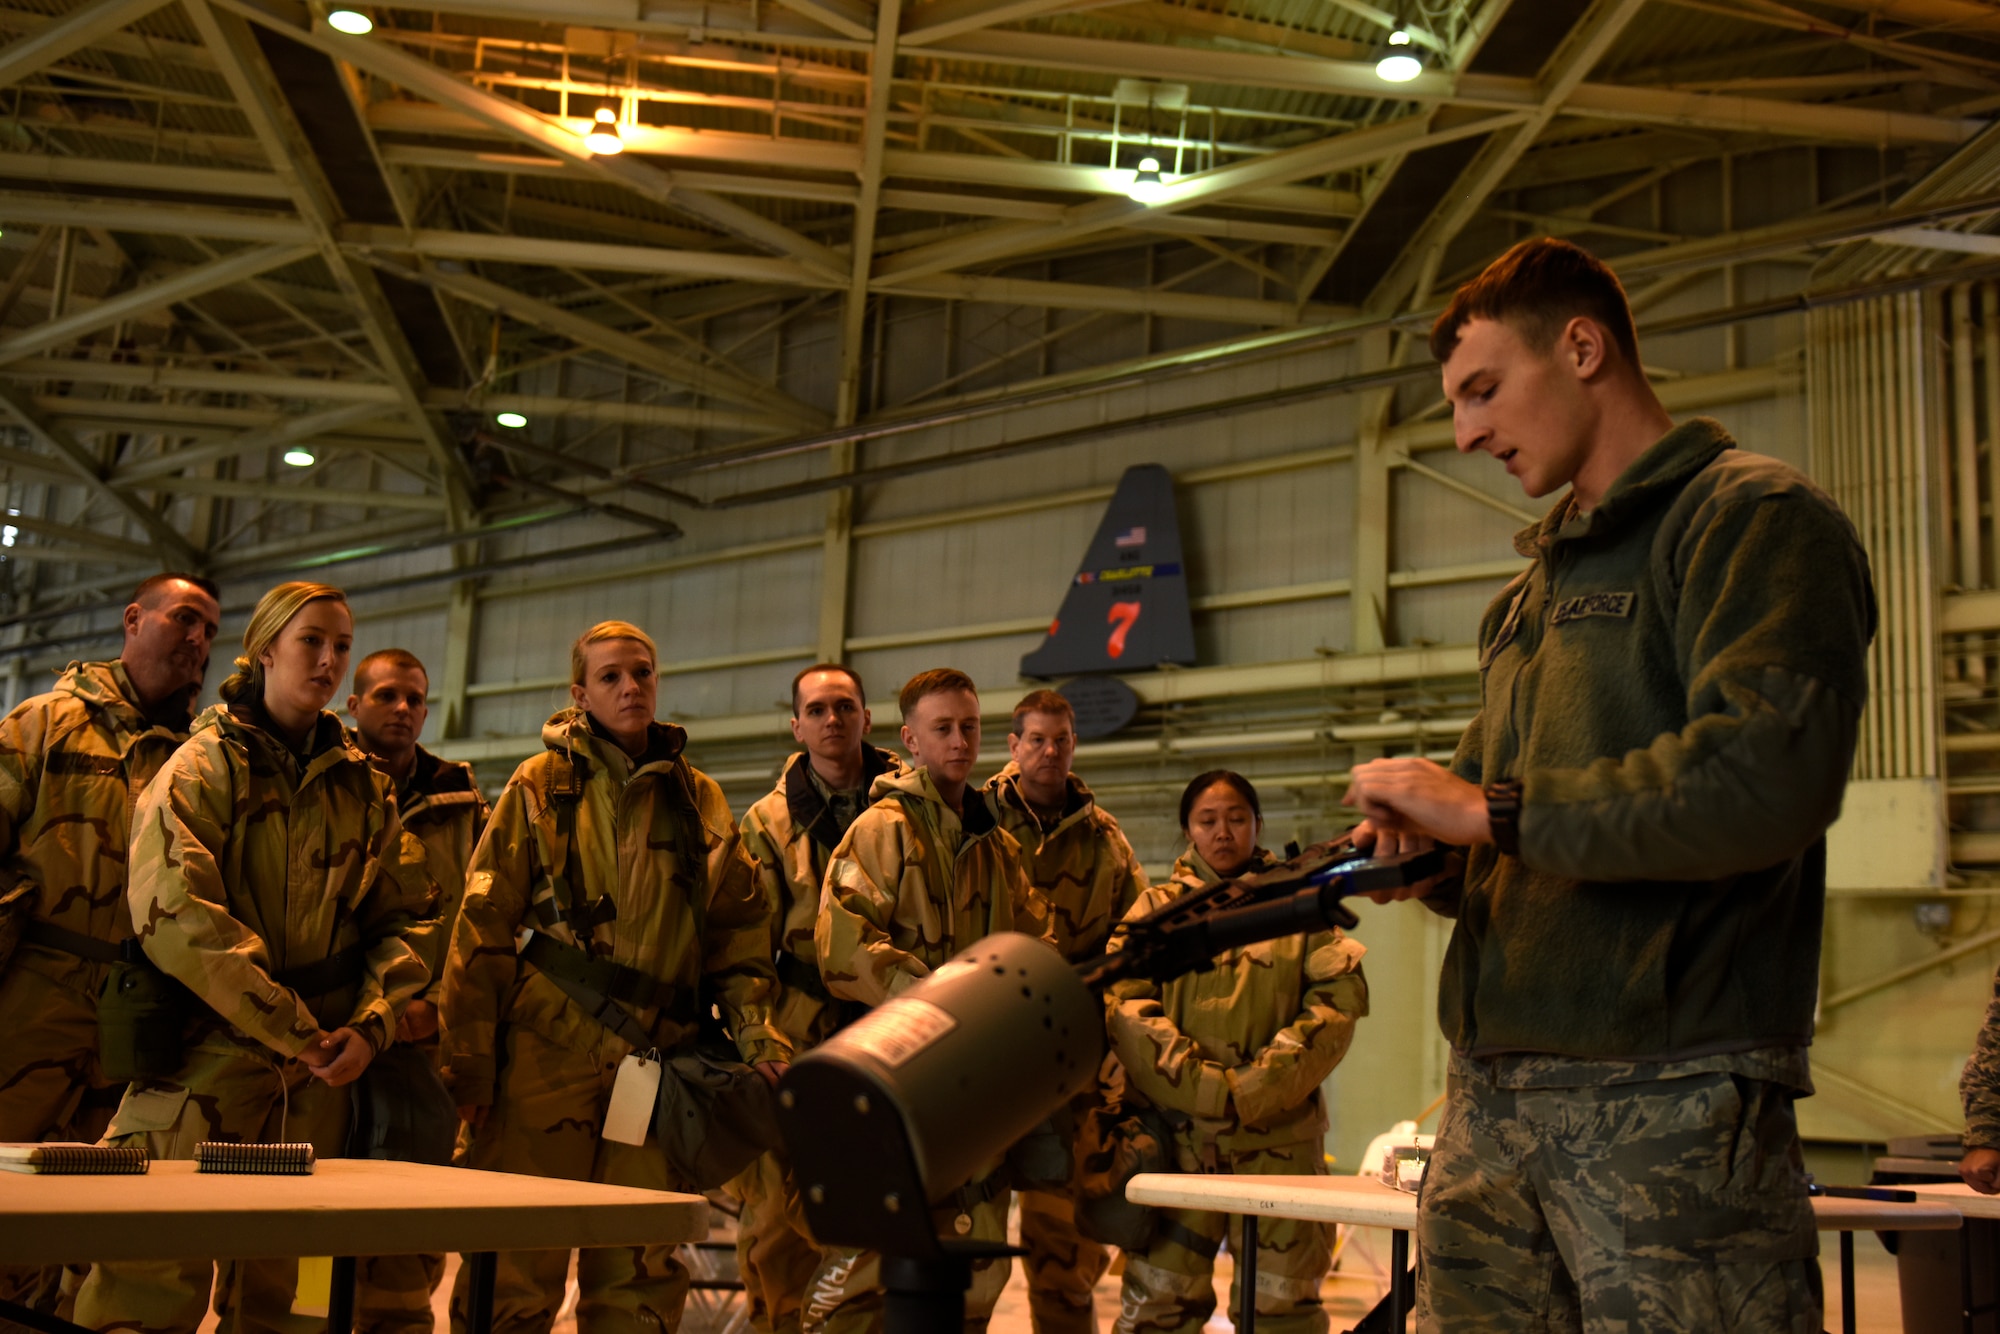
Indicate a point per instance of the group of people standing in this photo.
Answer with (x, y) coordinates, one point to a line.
(316, 893)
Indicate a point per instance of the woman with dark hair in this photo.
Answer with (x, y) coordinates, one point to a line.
(1235, 1057)
(271, 877)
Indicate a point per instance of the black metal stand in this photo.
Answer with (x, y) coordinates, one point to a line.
(37, 1320)
(1847, 1283)
(340, 1297)
(1246, 1277)
(924, 1296)
(479, 1301)
(1392, 1312)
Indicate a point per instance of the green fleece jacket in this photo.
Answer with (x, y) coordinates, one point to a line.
(1676, 682)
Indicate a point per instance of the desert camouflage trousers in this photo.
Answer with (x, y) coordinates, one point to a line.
(548, 1104)
(223, 1091)
(845, 1296)
(50, 1089)
(775, 1252)
(1170, 1287)
(1063, 1265)
(393, 1292)
(1641, 1208)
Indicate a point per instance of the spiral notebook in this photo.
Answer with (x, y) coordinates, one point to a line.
(254, 1159)
(72, 1159)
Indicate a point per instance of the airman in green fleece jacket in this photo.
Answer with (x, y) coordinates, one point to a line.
(1670, 695)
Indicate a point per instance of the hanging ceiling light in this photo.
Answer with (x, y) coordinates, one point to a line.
(300, 457)
(350, 21)
(603, 138)
(1399, 61)
(512, 419)
(1147, 186)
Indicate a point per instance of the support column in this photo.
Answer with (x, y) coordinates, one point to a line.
(1368, 602)
(461, 623)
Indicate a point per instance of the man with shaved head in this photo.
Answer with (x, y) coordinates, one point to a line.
(441, 806)
(72, 762)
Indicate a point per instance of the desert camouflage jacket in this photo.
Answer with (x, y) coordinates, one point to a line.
(73, 762)
(792, 833)
(1240, 1050)
(1979, 1086)
(249, 861)
(442, 807)
(912, 884)
(671, 893)
(1083, 867)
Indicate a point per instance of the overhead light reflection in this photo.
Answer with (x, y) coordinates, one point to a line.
(1147, 186)
(350, 21)
(1399, 62)
(299, 457)
(513, 419)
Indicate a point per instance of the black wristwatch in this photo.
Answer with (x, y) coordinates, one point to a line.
(1503, 813)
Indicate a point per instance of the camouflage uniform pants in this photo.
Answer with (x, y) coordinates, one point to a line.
(50, 1089)
(846, 1292)
(1063, 1265)
(393, 1292)
(1675, 1204)
(775, 1251)
(546, 1111)
(222, 1092)
(1170, 1287)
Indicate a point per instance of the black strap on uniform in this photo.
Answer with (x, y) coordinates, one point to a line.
(614, 981)
(1185, 1237)
(798, 975)
(342, 968)
(65, 941)
(583, 916)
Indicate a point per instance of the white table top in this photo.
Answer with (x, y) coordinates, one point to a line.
(1961, 1197)
(346, 1207)
(1366, 1202)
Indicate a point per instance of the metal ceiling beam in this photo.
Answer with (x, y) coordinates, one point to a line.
(949, 18)
(710, 380)
(291, 430)
(168, 542)
(874, 131)
(842, 16)
(299, 493)
(190, 379)
(1713, 111)
(71, 33)
(1585, 46)
(1338, 153)
(153, 218)
(1081, 296)
(139, 300)
(537, 250)
(378, 57)
(627, 414)
(141, 176)
(286, 151)
(86, 537)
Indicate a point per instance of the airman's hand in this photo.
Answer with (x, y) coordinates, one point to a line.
(1413, 796)
(339, 1057)
(773, 1071)
(419, 1022)
(475, 1116)
(1980, 1169)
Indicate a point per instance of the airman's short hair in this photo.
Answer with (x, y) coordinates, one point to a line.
(1536, 288)
(579, 652)
(399, 658)
(936, 681)
(153, 583)
(1041, 701)
(840, 667)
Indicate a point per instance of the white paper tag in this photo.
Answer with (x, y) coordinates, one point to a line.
(633, 1093)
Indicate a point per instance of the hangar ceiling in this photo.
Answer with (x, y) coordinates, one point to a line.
(233, 234)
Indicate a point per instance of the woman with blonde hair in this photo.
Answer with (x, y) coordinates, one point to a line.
(270, 876)
(620, 867)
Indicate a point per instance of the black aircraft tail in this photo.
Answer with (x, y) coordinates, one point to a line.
(1127, 609)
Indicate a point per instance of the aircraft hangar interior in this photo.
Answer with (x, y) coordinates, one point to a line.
(1076, 345)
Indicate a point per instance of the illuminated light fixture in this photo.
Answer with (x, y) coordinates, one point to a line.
(603, 137)
(300, 457)
(1147, 185)
(1399, 61)
(513, 419)
(350, 21)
